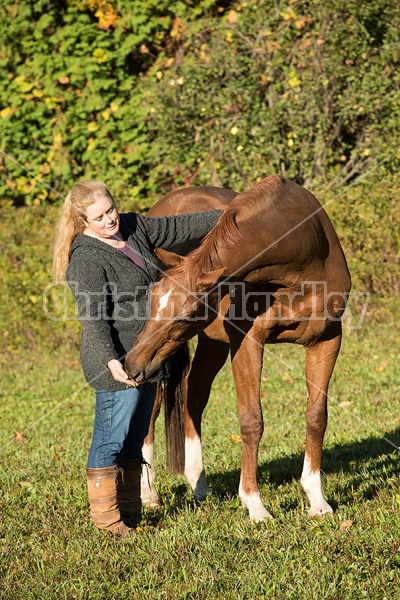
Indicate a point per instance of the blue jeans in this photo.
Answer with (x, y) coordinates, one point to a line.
(121, 423)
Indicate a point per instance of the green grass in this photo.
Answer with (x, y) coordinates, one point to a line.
(50, 549)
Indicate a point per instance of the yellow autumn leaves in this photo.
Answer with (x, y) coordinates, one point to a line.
(286, 16)
(6, 112)
(29, 90)
(293, 80)
(100, 55)
(93, 126)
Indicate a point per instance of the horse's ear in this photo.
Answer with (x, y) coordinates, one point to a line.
(208, 280)
(170, 259)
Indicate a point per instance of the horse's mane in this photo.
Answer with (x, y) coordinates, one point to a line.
(225, 235)
(206, 258)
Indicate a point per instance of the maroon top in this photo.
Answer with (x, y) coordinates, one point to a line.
(133, 255)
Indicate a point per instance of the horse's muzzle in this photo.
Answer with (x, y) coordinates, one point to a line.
(137, 376)
(138, 373)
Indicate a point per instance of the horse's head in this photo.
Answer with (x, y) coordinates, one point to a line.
(176, 315)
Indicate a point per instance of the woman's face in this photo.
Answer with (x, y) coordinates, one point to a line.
(102, 218)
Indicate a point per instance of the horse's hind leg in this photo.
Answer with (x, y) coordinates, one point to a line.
(149, 493)
(320, 361)
(209, 358)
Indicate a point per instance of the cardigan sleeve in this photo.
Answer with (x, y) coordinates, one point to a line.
(163, 232)
(89, 287)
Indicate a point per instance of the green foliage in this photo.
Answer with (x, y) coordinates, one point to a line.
(307, 91)
(30, 320)
(152, 95)
(366, 218)
(71, 99)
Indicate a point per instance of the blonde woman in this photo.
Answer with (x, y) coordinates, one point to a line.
(107, 259)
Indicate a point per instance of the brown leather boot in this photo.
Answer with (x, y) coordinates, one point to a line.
(128, 490)
(102, 488)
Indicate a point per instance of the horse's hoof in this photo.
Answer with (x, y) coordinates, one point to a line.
(201, 490)
(263, 516)
(202, 495)
(151, 503)
(320, 511)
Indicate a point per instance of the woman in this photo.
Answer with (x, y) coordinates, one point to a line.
(108, 261)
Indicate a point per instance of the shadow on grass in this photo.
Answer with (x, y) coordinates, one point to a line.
(374, 457)
(367, 464)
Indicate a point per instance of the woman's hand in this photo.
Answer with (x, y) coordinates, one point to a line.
(119, 374)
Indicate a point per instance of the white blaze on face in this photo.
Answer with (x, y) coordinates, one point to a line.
(162, 304)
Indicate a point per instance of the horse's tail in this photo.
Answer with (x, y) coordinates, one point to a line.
(174, 419)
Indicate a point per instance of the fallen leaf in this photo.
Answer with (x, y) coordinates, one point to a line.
(346, 524)
(382, 366)
(286, 377)
(236, 438)
(19, 437)
(26, 484)
(345, 403)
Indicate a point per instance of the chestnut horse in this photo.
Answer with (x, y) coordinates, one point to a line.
(272, 270)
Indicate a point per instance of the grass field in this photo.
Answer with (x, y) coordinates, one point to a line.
(50, 549)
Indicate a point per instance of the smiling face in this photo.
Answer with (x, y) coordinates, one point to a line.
(102, 218)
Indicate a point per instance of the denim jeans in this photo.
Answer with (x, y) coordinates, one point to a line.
(121, 423)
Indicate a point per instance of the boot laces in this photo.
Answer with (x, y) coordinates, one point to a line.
(148, 468)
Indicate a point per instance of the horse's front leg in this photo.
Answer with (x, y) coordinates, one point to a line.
(320, 361)
(149, 493)
(209, 357)
(247, 357)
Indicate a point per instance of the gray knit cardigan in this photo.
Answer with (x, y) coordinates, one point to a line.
(111, 292)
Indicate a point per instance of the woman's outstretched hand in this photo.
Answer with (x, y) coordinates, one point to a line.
(119, 374)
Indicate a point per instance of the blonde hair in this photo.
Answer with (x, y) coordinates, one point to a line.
(72, 221)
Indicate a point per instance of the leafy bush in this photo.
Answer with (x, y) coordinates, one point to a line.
(71, 92)
(366, 220)
(25, 262)
(310, 90)
(152, 95)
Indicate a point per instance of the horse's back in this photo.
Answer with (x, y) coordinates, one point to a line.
(192, 200)
(290, 235)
